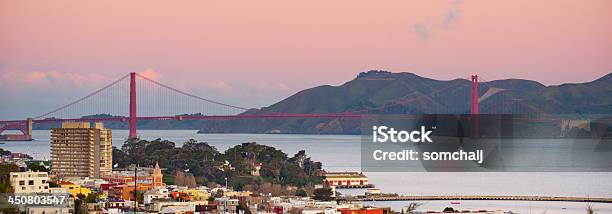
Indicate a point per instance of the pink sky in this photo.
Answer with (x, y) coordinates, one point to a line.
(254, 53)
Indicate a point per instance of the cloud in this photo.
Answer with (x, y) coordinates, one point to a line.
(421, 31)
(264, 86)
(282, 87)
(15, 78)
(151, 74)
(27, 93)
(453, 14)
(450, 17)
(220, 86)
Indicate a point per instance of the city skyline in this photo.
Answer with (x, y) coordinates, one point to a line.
(255, 55)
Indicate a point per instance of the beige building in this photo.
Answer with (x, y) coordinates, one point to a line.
(30, 182)
(78, 150)
(346, 179)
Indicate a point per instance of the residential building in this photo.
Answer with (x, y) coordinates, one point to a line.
(126, 191)
(155, 193)
(79, 150)
(195, 194)
(29, 182)
(151, 176)
(48, 210)
(74, 189)
(233, 194)
(182, 206)
(227, 205)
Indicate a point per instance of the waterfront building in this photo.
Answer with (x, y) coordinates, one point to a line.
(373, 191)
(366, 210)
(79, 150)
(346, 179)
(310, 210)
(29, 182)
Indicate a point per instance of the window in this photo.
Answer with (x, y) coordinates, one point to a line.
(21, 183)
(31, 182)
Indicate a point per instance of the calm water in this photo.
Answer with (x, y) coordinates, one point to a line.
(342, 153)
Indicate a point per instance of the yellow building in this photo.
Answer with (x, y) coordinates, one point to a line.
(346, 179)
(74, 189)
(196, 194)
(78, 150)
(237, 193)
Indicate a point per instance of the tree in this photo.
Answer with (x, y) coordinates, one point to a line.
(139, 195)
(6, 169)
(37, 167)
(301, 193)
(91, 198)
(242, 206)
(590, 209)
(448, 210)
(323, 194)
(411, 207)
(5, 187)
(219, 194)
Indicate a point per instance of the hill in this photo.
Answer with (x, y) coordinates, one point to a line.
(383, 92)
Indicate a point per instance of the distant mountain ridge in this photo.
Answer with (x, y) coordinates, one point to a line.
(383, 92)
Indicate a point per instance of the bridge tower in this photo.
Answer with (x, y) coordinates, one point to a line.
(132, 105)
(475, 127)
(28, 127)
(474, 94)
(24, 126)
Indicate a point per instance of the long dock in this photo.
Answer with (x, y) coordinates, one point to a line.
(478, 197)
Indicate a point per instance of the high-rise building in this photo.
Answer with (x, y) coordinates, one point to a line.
(78, 150)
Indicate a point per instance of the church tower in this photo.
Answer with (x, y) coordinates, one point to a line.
(157, 176)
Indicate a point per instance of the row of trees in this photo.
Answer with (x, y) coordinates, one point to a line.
(210, 167)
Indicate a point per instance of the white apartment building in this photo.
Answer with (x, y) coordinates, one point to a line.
(155, 193)
(30, 182)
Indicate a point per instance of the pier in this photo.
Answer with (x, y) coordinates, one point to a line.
(480, 198)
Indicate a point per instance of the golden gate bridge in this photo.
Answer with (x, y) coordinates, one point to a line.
(152, 100)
